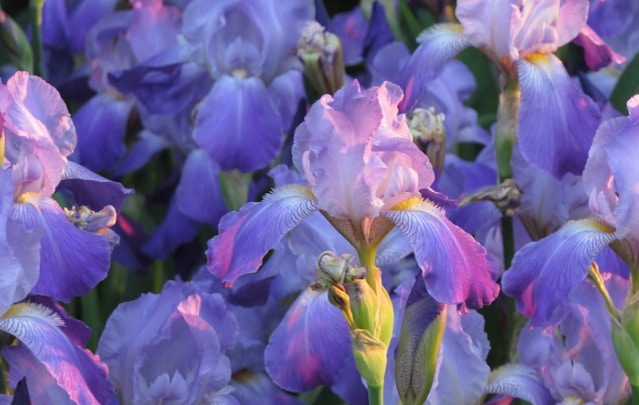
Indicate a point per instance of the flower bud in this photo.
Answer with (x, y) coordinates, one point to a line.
(370, 357)
(321, 53)
(626, 349)
(429, 134)
(419, 344)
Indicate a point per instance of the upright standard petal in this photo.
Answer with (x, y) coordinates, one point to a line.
(246, 236)
(489, 24)
(56, 369)
(557, 122)
(238, 124)
(544, 272)
(455, 267)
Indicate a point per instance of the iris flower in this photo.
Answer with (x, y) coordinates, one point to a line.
(363, 172)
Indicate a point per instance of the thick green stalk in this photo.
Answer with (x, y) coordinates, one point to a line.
(375, 395)
(36, 35)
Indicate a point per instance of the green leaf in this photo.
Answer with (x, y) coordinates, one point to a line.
(14, 43)
(627, 86)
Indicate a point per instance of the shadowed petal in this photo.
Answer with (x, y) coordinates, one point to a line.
(455, 267)
(543, 273)
(238, 124)
(198, 195)
(310, 346)
(597, 53)
(557, 122)
(101, 123)
(91, 189)
(246, 236)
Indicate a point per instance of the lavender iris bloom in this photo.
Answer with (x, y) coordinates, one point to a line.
(364, 174)
(75, 244)
(246, 47)
(535, 280)
(170, 347)
(520, 37)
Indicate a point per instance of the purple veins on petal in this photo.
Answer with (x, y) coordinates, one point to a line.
(455, 267)
(57, 369)
(246, 236)
(544, 272)
(560, 140)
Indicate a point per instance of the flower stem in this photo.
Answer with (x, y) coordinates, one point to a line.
(375, 395)
(36, 35)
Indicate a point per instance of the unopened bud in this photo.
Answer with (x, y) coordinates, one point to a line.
(321, 53)
(429, 134)
(370, 357)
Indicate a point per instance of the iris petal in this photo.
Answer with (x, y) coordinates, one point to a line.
(246, 236)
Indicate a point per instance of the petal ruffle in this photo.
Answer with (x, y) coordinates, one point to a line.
(557, 122)
(514, 380)
(57, 370)
(455, 267)
(246, 236)
(238, 125)
(544, 272)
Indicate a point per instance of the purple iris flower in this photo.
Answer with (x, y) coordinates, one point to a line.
(170, 347)
(74, 244)
(364, 173)
(576, 358)
(544, 272)
(50, 355)
(246, 48)
(520, 37)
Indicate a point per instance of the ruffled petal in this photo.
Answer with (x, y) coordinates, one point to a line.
(557, 122)
(38, 112)
(310, 346)
(198, 194)
(73, 261)
(246, 236)
(455, 267)
(238, 124)
(56, 369)
(488, 24)
(544, 272)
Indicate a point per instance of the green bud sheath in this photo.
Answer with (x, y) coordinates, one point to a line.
(370, 357)
(627, 353)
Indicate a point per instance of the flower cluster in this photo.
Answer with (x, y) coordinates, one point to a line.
(318, 202)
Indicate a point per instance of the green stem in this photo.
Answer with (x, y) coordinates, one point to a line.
(4, 387)
(634, 399)
(376, 395)
(91, 316)
(595, 277)
(36, 35)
